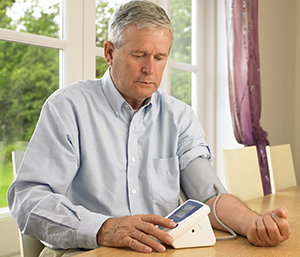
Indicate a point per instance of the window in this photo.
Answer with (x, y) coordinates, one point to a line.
(39, 17)
(29, 73)
(183, 78)
(181, 17)
(104, 10)
(181, 85)
(41, 49)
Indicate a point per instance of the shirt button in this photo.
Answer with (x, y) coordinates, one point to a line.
(133, 191)
(88, 244)
(117, 113)
(133, 159)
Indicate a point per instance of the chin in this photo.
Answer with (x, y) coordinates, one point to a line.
(143, 94)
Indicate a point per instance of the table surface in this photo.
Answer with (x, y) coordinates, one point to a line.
(290, 198)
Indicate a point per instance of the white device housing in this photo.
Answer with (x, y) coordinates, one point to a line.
(194, 230)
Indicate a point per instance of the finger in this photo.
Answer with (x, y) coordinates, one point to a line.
(150, 229)
(273, 231)
(252, 234)
(154, 231)
(129, 233)
(282, 212)
(159, 220)
(262, 233)
(283, 226)
(147, 240)
(136, 245)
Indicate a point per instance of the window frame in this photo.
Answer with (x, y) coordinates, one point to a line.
(197, 63)
(200, 93)
(76, 44)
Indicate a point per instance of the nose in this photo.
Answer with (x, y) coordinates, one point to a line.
(148, 67)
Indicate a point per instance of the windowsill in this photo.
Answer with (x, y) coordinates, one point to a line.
(4, 211)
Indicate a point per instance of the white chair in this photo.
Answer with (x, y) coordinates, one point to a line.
(242, 172)
(29, 247)
(281, 167)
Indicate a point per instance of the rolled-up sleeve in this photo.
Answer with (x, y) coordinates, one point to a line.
(191, 143)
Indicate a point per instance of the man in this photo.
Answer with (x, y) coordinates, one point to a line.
(108, 157)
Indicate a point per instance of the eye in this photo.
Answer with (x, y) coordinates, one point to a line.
(159, 57)
(138, 55)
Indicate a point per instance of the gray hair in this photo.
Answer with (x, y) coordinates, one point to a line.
(143, 14)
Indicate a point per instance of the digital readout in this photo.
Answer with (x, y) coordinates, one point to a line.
(187, 208)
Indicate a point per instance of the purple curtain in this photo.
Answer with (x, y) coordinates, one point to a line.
(244, 79)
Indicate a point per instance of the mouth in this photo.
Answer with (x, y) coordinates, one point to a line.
(146, 82)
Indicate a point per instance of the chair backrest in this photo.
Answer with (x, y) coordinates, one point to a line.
(17, 157)
(29, 247)
(281, 167)
(242, 172)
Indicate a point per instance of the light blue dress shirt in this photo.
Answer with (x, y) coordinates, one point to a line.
(92, 157)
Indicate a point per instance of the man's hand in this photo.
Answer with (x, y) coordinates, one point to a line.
(269, 229)
(135, 231)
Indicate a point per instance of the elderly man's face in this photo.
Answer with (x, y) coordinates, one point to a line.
(137, 66)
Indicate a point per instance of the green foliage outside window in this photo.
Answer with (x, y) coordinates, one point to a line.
(28, 75)
(181, 50)
(103, 13)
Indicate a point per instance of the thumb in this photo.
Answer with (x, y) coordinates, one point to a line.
(282, 212)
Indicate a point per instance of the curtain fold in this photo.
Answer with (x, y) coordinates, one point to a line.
(244, 79)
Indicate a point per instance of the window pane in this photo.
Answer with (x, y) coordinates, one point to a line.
(181, 16)
(104, 10)
(28, 75)
(40, 17)
(181, 85)
(101, 67)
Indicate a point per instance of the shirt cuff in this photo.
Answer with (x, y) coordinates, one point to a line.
(88, 228)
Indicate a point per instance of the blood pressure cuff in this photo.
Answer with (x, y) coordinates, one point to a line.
(197, 181)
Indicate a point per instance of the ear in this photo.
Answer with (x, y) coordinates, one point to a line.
(108, 52)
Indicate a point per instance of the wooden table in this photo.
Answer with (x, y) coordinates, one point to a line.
(290, 198)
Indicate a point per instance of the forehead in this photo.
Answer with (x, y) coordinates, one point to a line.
(143, 39)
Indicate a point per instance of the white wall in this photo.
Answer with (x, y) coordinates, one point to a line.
(279, 39)
(297, 96)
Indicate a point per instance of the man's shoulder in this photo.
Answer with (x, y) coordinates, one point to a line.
(78, 90)
(170, 102)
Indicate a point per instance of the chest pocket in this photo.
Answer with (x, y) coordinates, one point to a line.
(164, 174)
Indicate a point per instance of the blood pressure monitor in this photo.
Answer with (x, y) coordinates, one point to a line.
(194, 228)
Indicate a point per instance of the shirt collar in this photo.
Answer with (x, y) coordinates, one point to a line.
(114, 97)
(112, 94)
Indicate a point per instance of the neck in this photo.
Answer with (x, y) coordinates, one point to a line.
(136, 105)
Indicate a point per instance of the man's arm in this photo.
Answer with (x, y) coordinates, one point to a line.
(269, 229)
(38, 197)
